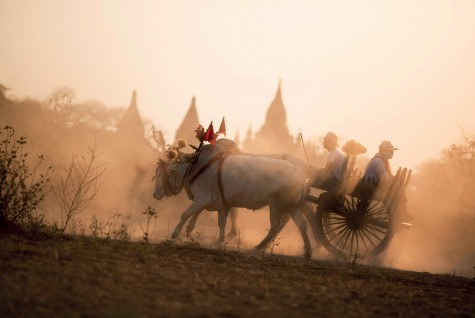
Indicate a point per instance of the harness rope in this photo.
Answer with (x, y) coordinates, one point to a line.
(169, 190)
(219, 157)
(220, 181)
(166, 181)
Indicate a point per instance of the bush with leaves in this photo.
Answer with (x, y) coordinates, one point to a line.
(22, 187)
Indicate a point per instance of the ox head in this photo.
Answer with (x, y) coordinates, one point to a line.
(168, 179)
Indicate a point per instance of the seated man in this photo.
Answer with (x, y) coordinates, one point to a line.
(329, 176)
(378, 171)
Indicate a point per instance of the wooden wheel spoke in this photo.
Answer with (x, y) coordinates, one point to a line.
(343, 211)
(380, 210)
(363, 240)
(354, 225)
(363, 231)
(377, 223)
(357, 240)
(340, 218)
(362, 206)
(341, 235)
(373, 233)
(347, 235)
(330, 221)
(371, 228)
(350, 205)
(334, 224)
(354, 242)
(336, 228)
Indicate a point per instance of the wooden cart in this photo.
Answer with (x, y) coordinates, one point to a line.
(357, 219)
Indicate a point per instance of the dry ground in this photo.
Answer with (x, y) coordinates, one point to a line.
(87, 277)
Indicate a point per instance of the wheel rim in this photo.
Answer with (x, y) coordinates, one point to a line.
(354, 227)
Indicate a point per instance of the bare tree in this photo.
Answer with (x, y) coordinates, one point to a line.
(78, 187)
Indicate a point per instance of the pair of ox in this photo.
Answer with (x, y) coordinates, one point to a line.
(219, 182)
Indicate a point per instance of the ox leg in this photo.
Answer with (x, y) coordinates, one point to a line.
(233, 215)
(310, 216)
(299, 220)
(189, 212)
(192, 223)
(277, 222)
(222, 215)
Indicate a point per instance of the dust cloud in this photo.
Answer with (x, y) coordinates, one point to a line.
(442, 202)
(441, 198)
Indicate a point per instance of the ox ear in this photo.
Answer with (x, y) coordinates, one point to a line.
(162, 162)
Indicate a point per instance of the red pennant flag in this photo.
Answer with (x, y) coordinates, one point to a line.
(209, 134)
(222, 128)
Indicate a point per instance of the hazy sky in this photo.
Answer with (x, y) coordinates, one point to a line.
(367, 70)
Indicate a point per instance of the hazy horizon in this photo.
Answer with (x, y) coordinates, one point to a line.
(368, 71)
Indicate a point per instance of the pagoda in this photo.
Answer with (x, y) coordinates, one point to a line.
(186, 130)
(131, 124)
(274, 136)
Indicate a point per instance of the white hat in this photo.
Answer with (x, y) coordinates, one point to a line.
(387, 145)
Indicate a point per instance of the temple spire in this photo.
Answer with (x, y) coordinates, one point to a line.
(276, 117)
(133, 101)
(186, 130)
(278, 94)
(274, 134)
(131, 123)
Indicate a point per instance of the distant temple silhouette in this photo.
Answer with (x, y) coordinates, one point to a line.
(131, 124)
(274, 136)
(186, 130)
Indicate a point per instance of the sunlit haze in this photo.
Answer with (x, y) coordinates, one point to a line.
(367, 70)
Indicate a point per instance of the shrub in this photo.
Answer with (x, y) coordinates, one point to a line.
(78, 186)
(22, 187)
(115, 228)
(151, 214)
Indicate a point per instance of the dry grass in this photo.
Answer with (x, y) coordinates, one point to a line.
(89, 277)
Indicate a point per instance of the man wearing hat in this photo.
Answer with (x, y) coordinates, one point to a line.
(328, 177)
(378, 169)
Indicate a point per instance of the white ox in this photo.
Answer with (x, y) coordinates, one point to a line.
(247, 182)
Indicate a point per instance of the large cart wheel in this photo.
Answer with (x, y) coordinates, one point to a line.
(351, 227)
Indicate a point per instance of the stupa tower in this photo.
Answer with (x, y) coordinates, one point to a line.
(186, 130)
(274, 136)
(131, 124)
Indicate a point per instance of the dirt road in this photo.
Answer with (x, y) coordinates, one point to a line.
(86, 277)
